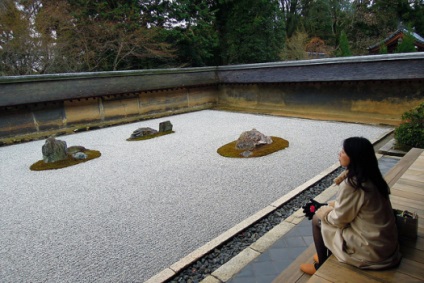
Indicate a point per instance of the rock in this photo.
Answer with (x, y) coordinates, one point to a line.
(246, 153)
(250, 139)
(165, 127)
(54, 150)
(141, 132)
(76, 148)
(79, 155)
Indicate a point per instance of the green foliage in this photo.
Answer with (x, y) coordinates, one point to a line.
(407, 44)
(196, 41)
(294, 48)
(383, 49)
(318, 20)
(411, 131)
(344, 48)
(45, 36)
(251, 31)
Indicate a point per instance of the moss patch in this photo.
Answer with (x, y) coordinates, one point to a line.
(229, 150)
(159, 134)
(70, 161)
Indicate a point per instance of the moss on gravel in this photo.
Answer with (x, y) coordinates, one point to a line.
(70, 161)
(229, 150)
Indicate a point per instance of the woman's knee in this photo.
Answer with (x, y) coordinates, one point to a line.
(316, 222)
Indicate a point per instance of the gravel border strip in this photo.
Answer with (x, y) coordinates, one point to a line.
(204, 266)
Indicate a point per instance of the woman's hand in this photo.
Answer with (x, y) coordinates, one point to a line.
(331, 203)
(323, 211)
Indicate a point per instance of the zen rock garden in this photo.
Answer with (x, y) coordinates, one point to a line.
(144, 133)
(57, 155)
(253, 144)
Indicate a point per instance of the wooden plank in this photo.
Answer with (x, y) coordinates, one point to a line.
(415, 176)
(409, 182)
(400, 202)
(416, 206)
(409, 188)
(317, 279)
(406, 194)
(407, 271)
(406, 180)
(415, 243)
(293, 273)
(397, 171)
(334, 271)
(412, 254)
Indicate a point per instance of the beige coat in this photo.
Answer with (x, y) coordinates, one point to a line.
(361, 229)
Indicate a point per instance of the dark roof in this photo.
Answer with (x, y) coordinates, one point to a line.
(401, 30)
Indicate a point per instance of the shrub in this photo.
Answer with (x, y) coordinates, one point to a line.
(411, 131)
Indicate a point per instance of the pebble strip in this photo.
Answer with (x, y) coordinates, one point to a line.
(203, 267)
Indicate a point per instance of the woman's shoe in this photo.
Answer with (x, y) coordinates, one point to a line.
(316, 258)
(308, 268)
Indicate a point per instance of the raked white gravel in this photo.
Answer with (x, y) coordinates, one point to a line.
(144, 205)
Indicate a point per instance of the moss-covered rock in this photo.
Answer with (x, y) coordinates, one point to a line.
(69, 161)
(158, 134)
(230, 150)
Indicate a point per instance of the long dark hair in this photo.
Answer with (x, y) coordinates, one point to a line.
(363, 165)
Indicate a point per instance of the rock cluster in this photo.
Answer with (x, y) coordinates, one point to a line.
(146, 131)
(250, 139)
(55, 150)
(141, 132)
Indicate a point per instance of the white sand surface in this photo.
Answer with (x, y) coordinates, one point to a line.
(143, 205)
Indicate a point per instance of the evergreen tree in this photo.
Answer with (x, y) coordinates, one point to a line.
(344, 49)
(251, 31)
(317, 19)
(194, 37)
(407, 44)
(383, 49)
(417, 16)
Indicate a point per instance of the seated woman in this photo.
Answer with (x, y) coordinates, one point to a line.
(359, 227)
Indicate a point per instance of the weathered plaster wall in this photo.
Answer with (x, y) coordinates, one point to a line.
(373, 102)
(365, 89)
(39, 120)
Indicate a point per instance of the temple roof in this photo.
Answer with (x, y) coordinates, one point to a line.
(419, 40)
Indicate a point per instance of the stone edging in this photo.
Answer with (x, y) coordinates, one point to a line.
(237, 263)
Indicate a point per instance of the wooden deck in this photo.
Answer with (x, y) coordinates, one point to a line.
(406, 180)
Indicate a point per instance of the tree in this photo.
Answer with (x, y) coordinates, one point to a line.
(363, 28)
(112, 37)
(251, 31)
(194, 36)
(19, 52)
(375, 20)
(317, 19)
(344, 49)
(417, 16)
(407, 44)
(383, 49)
(317, 48)
(294, 48)
(292, 14)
